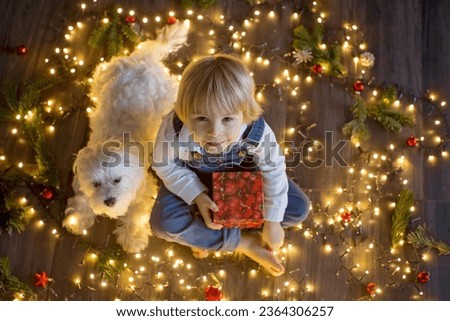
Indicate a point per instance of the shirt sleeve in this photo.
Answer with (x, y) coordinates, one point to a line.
(271, 162)
(176, 176)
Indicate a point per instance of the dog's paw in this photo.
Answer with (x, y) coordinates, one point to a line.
(132, 241)
(76, 222)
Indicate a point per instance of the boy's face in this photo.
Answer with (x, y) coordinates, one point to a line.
(215, 132)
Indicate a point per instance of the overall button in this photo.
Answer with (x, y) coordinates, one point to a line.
(197, 156)
(242, 153)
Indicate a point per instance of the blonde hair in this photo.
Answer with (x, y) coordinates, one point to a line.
(220, 84)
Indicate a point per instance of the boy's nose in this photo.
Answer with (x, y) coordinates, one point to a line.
(214, 131)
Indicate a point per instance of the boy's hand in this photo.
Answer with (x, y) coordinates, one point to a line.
(205, 204)
(273, 235)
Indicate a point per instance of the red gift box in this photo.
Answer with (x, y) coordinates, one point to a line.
(240, 198)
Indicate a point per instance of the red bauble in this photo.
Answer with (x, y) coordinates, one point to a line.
(213, 293)
(412, 141)
(423, 277)
(371, 288)
(130, 19)
(358, 86)
(346, 216)
(171, 20)
(21, 50)
(318, 69)
(41, 279)
(47, 194)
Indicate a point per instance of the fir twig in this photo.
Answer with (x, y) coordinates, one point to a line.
(402, 216)
(419, 238)
(27, 104)
(111, 262)
(111, 36)
(329, 57)
(11, 285)
(204, 4)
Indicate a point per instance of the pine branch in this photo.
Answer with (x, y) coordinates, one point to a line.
(204, 4)
(111, 262)
(356, 128)
(329, 57)
(11, 285)
(419, 238)
(402, 216)
(112, 35)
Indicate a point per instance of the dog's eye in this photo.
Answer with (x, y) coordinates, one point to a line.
(97, 184)
(117, 180)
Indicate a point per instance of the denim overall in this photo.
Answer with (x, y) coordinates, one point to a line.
(175, 221)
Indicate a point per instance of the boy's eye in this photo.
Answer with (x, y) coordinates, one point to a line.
(201, 118)
(227, 119)
(117, 180)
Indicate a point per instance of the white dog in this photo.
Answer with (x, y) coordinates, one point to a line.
(132, 94)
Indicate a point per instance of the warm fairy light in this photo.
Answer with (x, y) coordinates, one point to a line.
(309, 79)
(105, 20)
(345, 45)
(328, 248)
(211, 32)
(103, 284)
(271, 14)
(392, 205)
(200, 17)
(171, 13)
(170, 253)
(362, 46)
(221, 272)
(295, 15)
(83, 6)
(431, 158)
(411, 107)
(257, 12)
(376, 211)
(425, 257)
(319, 20)
(138, 255)
(2, 157)
(145, 20)
(52, 71)
(355, 27)
(157, 18)
(444, 153)
(54, 231)
(20, 165)
(397, 103)
(432, 97)
(438, 139)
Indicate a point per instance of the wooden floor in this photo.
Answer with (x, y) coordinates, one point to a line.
(410, 42)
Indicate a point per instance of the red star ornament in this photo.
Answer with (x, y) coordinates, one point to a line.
(41, 279)
(346, 216)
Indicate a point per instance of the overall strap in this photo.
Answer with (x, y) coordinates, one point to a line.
(254, 132)
(177, 124)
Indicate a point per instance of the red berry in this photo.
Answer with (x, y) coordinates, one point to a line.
(358, 86)
(318, 69)
(130, 19)
(47, 194)
(423, 277)
(412, 141)
(371, 288)
(171, 20)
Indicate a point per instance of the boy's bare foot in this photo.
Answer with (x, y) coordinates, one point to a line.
(251, 245)
(199, 253)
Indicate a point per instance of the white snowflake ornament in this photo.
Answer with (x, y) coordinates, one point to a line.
(302, 56)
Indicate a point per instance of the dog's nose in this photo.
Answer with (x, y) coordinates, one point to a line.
(110, 201)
